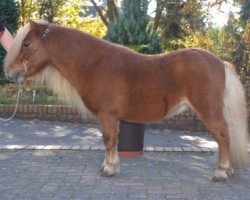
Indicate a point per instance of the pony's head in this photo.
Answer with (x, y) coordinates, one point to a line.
(27, 55)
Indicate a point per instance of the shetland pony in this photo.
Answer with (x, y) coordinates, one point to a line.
(114, 83)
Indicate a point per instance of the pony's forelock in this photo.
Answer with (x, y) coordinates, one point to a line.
(16, 46)
(17, 43)
(41, 21)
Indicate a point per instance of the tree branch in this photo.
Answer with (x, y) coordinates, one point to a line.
(98, 10)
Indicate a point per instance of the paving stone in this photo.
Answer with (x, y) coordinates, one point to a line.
(85, 147)
(156, 196)
(168, 148)
(82, 197)
(76, 147)
(177, 149)
(189, 149)
(64, 194)
(73, 179)
(137, 195)
(159, 149)
(66, 147)
(150, 148)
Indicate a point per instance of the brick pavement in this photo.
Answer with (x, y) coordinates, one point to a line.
(54, 160)
(64, 175)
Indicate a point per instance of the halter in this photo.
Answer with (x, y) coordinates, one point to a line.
(25, 62)
(47, 30)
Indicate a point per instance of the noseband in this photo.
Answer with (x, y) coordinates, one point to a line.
(25, 62)
(25, 67)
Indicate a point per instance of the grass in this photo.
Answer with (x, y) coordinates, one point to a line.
(8, 95)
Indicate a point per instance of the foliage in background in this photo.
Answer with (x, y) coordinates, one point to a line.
(28, 9)
(8, 95)
(72, 14)
(176, 19)
(51, 9)
(9, 15)
(131, 28)
(68, 13)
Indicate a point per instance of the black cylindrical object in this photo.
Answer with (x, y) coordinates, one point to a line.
(131, 139)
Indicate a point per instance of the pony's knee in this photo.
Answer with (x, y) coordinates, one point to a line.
(110, 142)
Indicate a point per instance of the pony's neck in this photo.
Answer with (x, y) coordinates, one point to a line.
(73, 53)
(75, 46)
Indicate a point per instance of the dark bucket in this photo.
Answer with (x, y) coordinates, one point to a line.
(131, 139)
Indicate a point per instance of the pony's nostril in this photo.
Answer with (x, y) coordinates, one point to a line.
(13, 76)
(8, 75)
(16, 76)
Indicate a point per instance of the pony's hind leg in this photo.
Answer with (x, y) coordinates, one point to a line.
(211, 115)
(217, 126)
(110, 164)
(219, 131)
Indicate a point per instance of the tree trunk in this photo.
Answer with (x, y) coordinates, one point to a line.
(112, 10)
(158, 13)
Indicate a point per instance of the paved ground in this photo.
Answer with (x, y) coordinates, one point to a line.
(51, 133)
(73, 174)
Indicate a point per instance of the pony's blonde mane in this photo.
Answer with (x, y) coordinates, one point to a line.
(51, 77)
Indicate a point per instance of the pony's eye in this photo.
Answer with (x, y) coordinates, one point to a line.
(26, 44)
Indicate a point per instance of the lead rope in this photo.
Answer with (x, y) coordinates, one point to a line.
(17, 102)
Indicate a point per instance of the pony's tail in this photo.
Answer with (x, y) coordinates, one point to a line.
(235, 114)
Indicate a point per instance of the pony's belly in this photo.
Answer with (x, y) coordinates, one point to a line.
(146, 113)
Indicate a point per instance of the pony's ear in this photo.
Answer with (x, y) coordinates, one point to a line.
(33, 24)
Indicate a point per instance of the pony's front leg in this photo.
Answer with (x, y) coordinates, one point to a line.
(110, 130)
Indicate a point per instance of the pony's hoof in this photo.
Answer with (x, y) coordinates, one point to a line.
(220, 176)
(219, 179)
(101, 170)
(106, 174)
(230, 171)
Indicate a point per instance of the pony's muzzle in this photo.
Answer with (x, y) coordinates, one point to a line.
(14, 77)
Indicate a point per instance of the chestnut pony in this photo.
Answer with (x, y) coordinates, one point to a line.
(114, 82)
